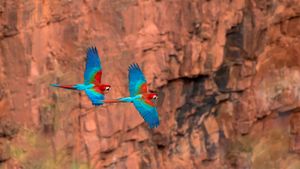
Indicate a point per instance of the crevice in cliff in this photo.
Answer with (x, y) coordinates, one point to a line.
(211, 148)
(221, 78)
(192, 87)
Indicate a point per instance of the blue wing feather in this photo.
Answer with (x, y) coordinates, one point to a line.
(93, 65)
(136, 79)
(149, 113)
(95, 97)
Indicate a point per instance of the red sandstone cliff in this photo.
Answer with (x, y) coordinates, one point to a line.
(227, 73)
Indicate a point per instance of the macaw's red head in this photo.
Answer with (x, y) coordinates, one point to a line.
(151, 96)
(104, 88)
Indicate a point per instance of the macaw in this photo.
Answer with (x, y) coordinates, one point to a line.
(92, 85)
(140, 97)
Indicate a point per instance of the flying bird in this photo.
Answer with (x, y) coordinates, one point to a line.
(140, 97)
(92, 85)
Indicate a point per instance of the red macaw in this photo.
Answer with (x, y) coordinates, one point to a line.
(140, 97)
(92, 85)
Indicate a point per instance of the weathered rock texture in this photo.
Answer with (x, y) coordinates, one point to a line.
(227, 73)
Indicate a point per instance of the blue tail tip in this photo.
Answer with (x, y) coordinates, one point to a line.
(54, 85)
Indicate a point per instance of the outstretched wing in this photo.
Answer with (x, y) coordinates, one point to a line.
(93, 68)
(137, 80)
(148, 112)
(95, 97)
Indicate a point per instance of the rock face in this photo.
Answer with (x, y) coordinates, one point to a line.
(227, 74)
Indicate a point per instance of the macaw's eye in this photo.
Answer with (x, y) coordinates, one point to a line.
(155, 97)
(107, 88)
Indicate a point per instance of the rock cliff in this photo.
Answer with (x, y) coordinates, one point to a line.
(227, 73)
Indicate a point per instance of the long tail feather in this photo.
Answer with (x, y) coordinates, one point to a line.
(124, 100)
(112, 101)
(72, 87)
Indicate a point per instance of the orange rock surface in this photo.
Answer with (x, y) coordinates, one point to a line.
(227, 74)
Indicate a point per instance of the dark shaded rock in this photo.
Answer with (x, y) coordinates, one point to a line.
(221, 78)
(8, 128)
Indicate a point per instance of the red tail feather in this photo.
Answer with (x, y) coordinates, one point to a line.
(65, 86)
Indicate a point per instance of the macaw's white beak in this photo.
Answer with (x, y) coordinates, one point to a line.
(107, 89)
